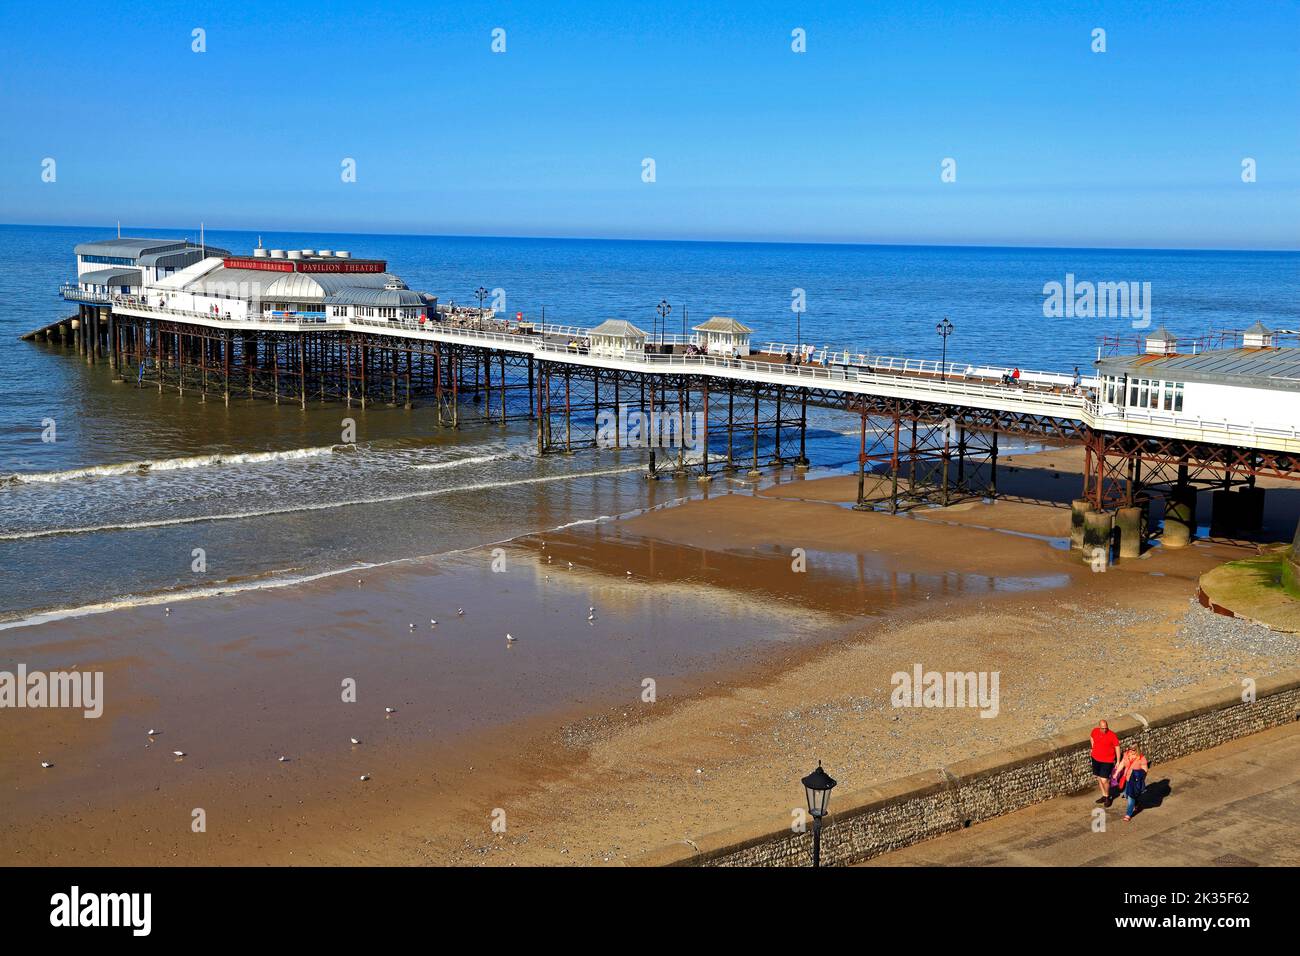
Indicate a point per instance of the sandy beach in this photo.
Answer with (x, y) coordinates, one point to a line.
(770, 624)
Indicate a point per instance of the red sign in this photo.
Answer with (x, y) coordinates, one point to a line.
(341, 265)
(303, 265)
(266, 265)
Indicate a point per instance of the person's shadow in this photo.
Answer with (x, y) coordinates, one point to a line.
(1154, 795)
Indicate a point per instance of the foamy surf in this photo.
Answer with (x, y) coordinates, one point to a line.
(174, 597)
(148, 466)
(320, 506)
(277, 580)
(458, 462)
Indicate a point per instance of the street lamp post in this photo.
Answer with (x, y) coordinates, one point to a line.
(944, 329)
(817, 788)
(663, 308)
(482, 294)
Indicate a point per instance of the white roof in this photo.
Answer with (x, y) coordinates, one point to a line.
(211, 277)
(723, 323)
(618, 328)
(178, 280)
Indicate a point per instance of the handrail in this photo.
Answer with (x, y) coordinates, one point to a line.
(1081, 404)
(74, 292)
(1103, 412)
(125, 303)
(549, 343)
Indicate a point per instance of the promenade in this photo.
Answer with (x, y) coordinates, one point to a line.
(1235, 805)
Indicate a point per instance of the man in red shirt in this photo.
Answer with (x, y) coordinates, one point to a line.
(1105, 754)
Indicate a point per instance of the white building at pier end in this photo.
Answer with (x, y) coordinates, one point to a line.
(297, 285)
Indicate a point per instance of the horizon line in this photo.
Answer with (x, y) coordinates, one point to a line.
(755, 242)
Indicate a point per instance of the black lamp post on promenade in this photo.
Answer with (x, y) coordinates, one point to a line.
(817, 787)
(944, 329)
(482, 294)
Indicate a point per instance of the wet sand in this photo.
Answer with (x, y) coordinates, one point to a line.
(759, 670)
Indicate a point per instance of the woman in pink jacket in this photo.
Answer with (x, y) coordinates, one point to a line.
(1130, 775)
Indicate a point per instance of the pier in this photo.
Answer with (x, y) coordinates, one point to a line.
(1220, 415)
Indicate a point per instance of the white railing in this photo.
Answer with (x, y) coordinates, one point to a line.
(568, 331)
(517, 337)
(1056, 397)
(74, 293)
(1107, 413)
(809, 352)
(1063, 399)
(818, 364)
(672, 338)
(561, 345)
(130, 304)
(930, 367)
(1050, 393)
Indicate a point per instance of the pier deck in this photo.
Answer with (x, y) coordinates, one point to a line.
(932, 429)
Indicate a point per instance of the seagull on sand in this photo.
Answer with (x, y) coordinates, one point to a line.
(629, 574)
(354, 740)
(46, 765)
(510, 638)
(433, 622)
(460, 612)
(178, 753)
(153, 733)
(570, 565)
(390, 710)
(284, 760)
(365, 776)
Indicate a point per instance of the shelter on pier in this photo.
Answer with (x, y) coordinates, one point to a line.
(723, 335)
(617, 337)
(1258, 336)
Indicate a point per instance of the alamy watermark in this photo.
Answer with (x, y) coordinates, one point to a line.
(127, 910)
(78, 690)
(638, 429)
(922, 688)
(1098, 300)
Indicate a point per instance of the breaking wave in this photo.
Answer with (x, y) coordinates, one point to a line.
(149, 466)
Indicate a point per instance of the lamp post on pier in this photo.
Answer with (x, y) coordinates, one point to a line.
(663, 308)
(944, 329)
(482, 294)
(817, 788)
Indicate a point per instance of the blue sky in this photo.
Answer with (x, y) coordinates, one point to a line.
(1055, 145)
